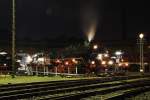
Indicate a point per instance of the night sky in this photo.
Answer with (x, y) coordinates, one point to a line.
(39, 19)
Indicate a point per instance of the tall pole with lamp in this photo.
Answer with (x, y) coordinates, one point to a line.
(13, 36)
(75, 63)
(118, 58)
(141, 36)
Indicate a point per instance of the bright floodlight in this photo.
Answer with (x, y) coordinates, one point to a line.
(3, 53)
(103, 62)
(93, 62)
(18, 61)
(110, 62)
(73, 60)
(120, 64)
(113, 57)
(106, 55)
(141, 70)
(95, 46)
(118, 53)
(126, 64)
(141, 36)
(66, 63)
(99, 56)
(41, 59)
(28, 59)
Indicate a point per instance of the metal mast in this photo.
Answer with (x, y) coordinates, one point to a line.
(13, 36)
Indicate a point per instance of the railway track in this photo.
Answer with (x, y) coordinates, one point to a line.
(130, 93)
(86, 87)
(99, 90)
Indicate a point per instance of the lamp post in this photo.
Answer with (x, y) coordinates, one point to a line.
(75, 63)
(67, 64)
(13, 36)
(141, 37)
(118, 58)
(56, 69)
(95, 47)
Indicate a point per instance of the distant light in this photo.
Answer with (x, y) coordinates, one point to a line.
(113, 57)
(103, 62)
(118, 53)
(28, 59)
(95, 46)
(141, 35)
(141, 70)
(35, 55)
(5, 64)
(99, 56)
(66, 63)
(126, 64)
(18, 61)
(76, 62)
(120, 64)
(3, 53)
(110, 62)
(41, 59)
(58, 61)
(106, 55)
(107, 51)
(92, 62)
(73, 60)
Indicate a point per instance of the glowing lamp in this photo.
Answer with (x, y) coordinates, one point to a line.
(66, 63)
(118, 53)
(126, 64)
(99, 56)
(95, 47)
(103, 62)
(110, 62)
(141, 70)
(93, 62)
(141, 36)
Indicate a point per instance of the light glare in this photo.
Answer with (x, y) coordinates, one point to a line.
(118, 53)
(110, 62)
(99, 56)
(103, 62)
(141, 36)
(141, 70)
(41, 59)
(95, 46)
(93, 62)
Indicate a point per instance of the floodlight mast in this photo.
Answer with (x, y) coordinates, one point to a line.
(141, 37)
(13, 36)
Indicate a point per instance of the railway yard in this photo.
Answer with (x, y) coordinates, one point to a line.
(105, 88)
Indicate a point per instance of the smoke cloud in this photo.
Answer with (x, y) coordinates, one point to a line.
(89, 19)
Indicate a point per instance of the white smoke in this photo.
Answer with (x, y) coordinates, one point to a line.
(89, 17)
(90, 33)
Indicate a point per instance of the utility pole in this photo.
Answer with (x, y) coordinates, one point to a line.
(13, 37)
